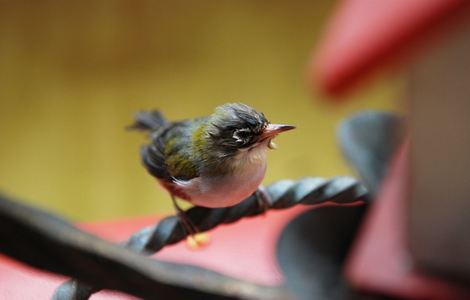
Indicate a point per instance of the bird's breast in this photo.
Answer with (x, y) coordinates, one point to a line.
(230, 189)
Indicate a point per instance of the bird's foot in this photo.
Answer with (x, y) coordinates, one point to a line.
(198, 241)
(263, 198)
(195, 239)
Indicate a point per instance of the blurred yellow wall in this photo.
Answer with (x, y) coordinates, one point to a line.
(72, 74)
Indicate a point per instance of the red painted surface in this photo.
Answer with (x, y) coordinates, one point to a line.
(365, 34)
(380, 261)
(245, 250)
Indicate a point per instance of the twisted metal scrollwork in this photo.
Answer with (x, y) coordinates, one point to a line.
(282, 194)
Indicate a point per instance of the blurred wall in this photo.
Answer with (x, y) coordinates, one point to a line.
(72, 74)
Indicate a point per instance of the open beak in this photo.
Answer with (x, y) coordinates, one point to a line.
(274, 129)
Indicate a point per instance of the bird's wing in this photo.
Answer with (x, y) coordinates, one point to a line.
(169, 155)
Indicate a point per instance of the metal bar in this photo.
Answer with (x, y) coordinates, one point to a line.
(47, 242)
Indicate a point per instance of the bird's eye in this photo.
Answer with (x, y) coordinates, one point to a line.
(242, 135)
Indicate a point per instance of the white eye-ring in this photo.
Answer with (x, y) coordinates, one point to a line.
(240, 135)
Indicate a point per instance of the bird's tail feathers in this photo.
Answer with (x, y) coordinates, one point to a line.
(148, 120)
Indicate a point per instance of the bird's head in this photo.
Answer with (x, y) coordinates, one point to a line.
(236, 127)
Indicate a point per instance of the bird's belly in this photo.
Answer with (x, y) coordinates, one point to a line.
(228, 190)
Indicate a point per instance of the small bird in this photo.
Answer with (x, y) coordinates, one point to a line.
(213, 161)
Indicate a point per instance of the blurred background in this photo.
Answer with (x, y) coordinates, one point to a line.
(72, 75)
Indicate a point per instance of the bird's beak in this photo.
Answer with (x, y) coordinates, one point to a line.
(272, 130)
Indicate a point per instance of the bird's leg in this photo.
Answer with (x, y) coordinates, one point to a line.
(263, 198)
(188, 226)
(195, 240)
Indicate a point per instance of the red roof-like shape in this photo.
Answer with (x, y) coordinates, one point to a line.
(364, 34)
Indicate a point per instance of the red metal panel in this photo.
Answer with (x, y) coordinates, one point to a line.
(380, 260)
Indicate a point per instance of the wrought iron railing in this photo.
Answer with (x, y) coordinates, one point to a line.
(46, 241)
